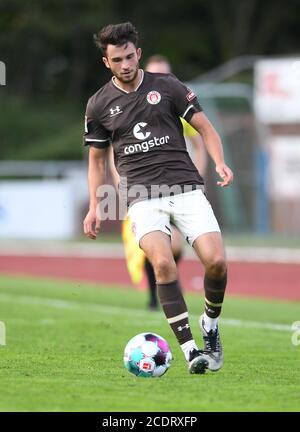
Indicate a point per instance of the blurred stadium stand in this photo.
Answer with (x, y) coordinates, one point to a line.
(41, 199)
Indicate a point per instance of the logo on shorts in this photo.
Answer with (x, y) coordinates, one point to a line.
(133, 228)
(153, 97)
(139, 131)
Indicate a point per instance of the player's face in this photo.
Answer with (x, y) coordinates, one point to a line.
(123, 61)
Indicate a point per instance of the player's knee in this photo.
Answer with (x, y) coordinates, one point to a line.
(165, 269)
(216, 268)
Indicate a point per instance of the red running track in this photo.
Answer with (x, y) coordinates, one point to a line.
(269, 280)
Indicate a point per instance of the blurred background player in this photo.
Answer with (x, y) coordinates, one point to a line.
(137, 262)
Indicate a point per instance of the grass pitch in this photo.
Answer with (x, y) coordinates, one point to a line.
(65, 341)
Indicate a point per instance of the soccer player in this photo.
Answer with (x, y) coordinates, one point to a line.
(138, 113)
(136, 261)
(160, 64)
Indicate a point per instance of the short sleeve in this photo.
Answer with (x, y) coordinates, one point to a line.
(184, 99)
(94, 133)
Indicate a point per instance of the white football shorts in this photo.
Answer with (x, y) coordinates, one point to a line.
(190, 212)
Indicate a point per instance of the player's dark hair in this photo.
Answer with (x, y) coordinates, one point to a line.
(116, 34)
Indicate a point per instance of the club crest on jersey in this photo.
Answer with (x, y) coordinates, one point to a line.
(153, 97)
(190, 96)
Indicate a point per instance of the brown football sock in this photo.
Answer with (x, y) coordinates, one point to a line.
(175, 309)
(214, 295)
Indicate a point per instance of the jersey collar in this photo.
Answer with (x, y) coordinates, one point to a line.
(120, 88)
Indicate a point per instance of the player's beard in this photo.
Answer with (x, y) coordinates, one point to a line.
(131, 76)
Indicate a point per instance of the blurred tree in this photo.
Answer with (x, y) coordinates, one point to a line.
(250, 26)
(53, 66)
(49, 52)
(48, 44)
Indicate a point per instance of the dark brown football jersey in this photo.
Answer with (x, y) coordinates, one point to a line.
(145, 130)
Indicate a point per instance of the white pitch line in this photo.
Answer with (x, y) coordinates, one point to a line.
(23, 322)
(65, 304)
(255, 324)
(70, 304)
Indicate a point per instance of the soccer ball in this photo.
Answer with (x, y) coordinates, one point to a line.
(147, 355)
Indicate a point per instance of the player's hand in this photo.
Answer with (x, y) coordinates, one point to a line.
(226, 174)
(91, 224)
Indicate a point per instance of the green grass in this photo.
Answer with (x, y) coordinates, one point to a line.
(65, 344)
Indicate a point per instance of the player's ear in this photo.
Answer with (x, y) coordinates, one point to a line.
(139, 53)
(105, 61)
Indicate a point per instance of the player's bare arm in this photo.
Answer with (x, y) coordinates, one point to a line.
(96, 178)
(200, 153)
(112, 167)
(213, 145)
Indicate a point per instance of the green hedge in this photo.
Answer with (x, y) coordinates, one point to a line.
(39, 131)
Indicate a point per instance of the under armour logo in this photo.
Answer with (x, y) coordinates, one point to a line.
(209, 310)
(115, 111)
(180, 328)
